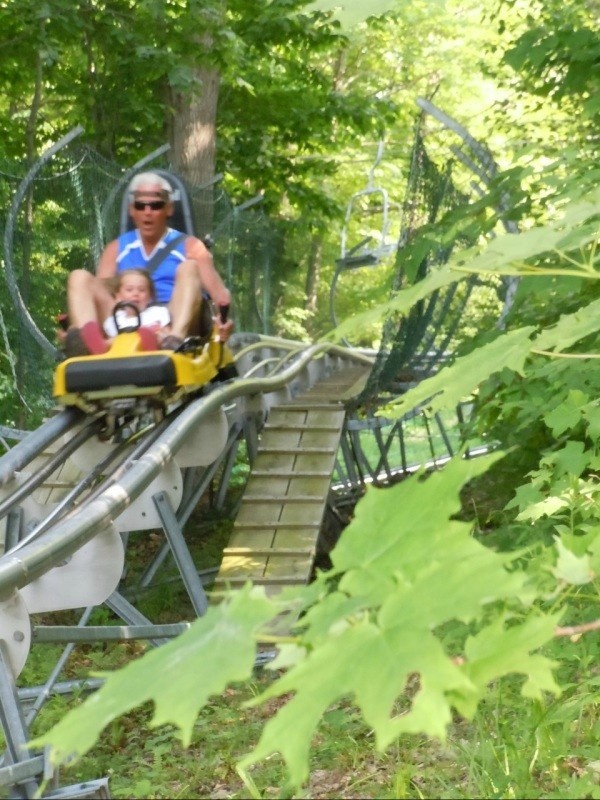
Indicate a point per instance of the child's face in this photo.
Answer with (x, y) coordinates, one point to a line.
(135, 289)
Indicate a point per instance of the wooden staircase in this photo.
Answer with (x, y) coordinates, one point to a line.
(274, 539)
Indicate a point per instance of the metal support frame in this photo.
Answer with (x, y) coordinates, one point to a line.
(231, 455)
(45, 690)
(14, 528)
(106, 633)
(130, 615)
(21, 766)
(355, 467)
(194, 488)
(181, 553)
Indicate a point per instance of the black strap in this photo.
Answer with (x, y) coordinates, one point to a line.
(161, 254)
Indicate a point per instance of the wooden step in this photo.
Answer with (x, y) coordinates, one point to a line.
(305, 405)
(268, 473)
(274, 538)
(281, 526)
(285, 499)
(279, 580)
(286, 451)
(300, 428)
(278, 552)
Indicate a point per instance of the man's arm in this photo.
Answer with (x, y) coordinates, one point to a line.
(209, 277)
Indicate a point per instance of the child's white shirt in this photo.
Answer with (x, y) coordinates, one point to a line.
(153, 316)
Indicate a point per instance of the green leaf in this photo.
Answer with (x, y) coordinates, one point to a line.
(453, 384)
(471, 575)
(498, 650)
(412, 568)
(572, 459)
(219, 648)
(572, 569)
(331, 612)
(543, 508)
(525, 495)
(591, 412)
(570, 328)
(507, 253)
(401, 526)
(345, 666)
(567, 414)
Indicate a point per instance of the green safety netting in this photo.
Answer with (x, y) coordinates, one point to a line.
(58, 215)
(416, 345)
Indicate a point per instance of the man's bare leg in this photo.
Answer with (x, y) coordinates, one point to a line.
(185, 300)
(89, 304)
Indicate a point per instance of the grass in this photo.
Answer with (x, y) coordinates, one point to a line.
(512, 749)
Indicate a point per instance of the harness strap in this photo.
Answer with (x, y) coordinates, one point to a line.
(161, 254)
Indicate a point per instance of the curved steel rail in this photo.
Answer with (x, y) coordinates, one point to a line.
(37, 478)
(9, 234)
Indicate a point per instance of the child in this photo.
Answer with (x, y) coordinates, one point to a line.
(135, 286)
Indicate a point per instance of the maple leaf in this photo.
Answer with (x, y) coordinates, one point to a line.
(218, 648)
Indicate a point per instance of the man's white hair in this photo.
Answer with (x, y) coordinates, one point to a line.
(150, 179)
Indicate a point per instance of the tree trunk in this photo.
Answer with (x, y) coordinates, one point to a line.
(312, 273)
(193, 140)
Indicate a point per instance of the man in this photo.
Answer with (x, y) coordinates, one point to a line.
(180, 275)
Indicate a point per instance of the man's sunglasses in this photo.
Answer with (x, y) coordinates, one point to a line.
(153, 205)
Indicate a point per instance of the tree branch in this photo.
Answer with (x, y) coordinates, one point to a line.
(574, 630)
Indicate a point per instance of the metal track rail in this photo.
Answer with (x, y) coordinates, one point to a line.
(29, 448)
(18, 568)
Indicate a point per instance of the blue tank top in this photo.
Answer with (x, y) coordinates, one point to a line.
(131, 255)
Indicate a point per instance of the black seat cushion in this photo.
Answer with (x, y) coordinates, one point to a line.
(142, 371)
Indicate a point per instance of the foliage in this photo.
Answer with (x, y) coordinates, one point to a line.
(377, 601)
(546, 72)
(108, 65)
(352, 13)
(558, 56)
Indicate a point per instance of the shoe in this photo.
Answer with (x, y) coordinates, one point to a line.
(226, 373)
(74, 345)
(193, 344)
(171, 342)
